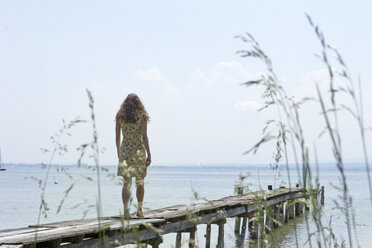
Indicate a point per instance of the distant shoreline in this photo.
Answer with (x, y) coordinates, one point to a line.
(355, 166)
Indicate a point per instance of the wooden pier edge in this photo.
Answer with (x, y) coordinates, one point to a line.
(158, 222)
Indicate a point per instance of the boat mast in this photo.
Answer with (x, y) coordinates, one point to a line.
(1, 164)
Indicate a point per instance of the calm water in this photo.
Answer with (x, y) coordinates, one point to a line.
(171, 185)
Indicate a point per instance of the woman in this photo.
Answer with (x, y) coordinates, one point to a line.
(131, 120)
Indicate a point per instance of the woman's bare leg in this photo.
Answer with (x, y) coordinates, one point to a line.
(140, 194)
(125, 193)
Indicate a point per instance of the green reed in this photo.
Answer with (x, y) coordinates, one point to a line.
(289, 130)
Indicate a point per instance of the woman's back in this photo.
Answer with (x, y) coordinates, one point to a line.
(132, 135)
(132, 148)
(132, 127)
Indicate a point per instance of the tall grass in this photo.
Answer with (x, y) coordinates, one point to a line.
(59, 148)
(289, 130)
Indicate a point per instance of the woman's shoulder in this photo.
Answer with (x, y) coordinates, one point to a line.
(121, 122)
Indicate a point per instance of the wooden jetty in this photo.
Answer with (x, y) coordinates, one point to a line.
(259, 211)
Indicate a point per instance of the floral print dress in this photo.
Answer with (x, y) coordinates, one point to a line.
(132, 161)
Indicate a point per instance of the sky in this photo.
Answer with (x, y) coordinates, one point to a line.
(180, 58)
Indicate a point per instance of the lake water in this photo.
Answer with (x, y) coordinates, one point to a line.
(171, 185)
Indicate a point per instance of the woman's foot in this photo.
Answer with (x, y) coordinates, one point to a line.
(139, 210)
(140, 214)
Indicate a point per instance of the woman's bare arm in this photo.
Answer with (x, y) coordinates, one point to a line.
(117, 138)
(145, 141)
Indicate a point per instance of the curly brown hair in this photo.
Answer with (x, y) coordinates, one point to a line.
(129, 109)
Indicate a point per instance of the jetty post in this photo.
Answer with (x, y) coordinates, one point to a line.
(239, 191)
(208, 236)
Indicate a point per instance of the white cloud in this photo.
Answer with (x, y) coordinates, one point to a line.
(231, 72)
(247, 105)
(198, 77)
(320, 76)
(151, 74)
(155, 76)
(170, 90)
(307, 88)
(307, 85)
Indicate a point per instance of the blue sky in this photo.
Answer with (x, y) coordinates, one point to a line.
(179, 57)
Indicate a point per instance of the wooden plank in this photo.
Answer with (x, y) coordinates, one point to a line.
(190, 210)
(284, 198)
(29, 238)
(70, 223)
(11, 246)
(158, 212)
(176, 212)
(51, 234)
(72, 231)
(12, 232)
(236, 211)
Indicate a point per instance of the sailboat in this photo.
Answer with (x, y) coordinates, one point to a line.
(1, 164)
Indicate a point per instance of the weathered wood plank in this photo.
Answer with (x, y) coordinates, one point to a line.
(70, 223)
(11, 232)
(72, 231)
(11, 246)
(52, 234)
